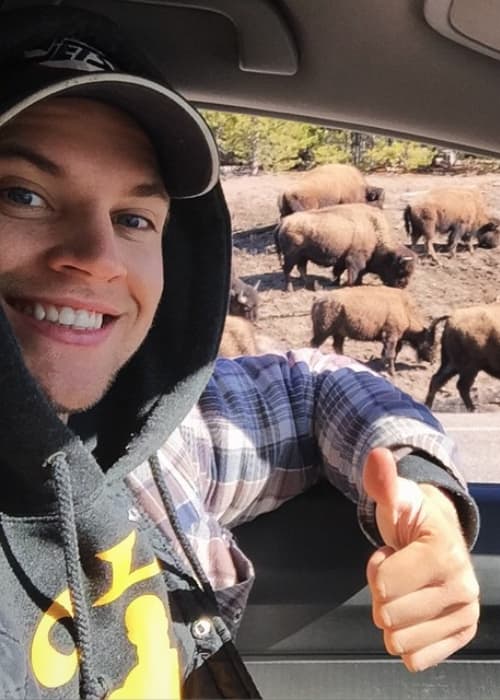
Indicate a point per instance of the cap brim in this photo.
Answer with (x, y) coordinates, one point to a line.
(185, 146)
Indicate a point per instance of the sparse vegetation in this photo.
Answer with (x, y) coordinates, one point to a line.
(269, 144)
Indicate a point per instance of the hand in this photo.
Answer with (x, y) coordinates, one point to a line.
(425, 594)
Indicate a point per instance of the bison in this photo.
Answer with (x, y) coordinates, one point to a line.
(457, 211)
(327, 185)
(238, 337)
(373, 313)
(243, 299)
(352, 237)
(470, 343)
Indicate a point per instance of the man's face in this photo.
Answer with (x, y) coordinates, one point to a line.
(82, 209)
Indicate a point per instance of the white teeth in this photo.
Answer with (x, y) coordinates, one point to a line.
(80, 319)
(67, 316)
(39, 312)
(52, 314)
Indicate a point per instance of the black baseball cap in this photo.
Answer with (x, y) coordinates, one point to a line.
(63, 51)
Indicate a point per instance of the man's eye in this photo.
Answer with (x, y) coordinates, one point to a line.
(22, 197)
(134, 221)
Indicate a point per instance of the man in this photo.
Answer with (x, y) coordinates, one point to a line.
(125, 453)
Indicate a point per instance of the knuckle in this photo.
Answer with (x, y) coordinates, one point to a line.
(468, 616)
(393, 644)
(415, 663)
(465, 635)
(458, 557)
(377, 585)
(465, 589)
(473, 615)
(381, 617)
(477, 612)
(471, 588)
(459, 580)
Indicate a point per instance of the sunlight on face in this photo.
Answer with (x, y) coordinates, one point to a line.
(82, 210)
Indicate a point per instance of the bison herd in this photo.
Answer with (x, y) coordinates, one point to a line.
(335, 219)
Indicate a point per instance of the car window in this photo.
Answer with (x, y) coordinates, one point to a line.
(263, 157)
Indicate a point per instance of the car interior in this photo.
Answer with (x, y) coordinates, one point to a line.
(424, 70)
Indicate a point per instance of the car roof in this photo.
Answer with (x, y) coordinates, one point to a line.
(394, 67)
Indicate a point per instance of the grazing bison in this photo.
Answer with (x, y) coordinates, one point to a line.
(457, 211)
(243, 299)
(352, 237)
(327, 185)
(372, 313)
(470, 343)
(238, 338)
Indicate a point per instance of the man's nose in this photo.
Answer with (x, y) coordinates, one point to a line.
(89, 247)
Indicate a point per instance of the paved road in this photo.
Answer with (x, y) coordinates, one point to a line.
(478, 437)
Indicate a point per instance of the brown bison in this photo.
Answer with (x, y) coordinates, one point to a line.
(351, 237)
(238, 337)
(327, 185)
(470, 343)
(372, 313)
(458, 211)
(241, 337)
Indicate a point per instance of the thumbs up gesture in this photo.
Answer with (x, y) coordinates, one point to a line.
(425, 595)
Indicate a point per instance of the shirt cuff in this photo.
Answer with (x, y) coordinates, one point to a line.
(421, 468)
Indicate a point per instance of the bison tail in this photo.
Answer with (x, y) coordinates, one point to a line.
(438, 320)
(277, 244)
(407, 219)
(284, 205)
(432, 328)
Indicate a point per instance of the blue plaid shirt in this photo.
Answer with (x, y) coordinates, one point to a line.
(264, 430)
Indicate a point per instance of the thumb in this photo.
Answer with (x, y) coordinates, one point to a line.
(398, 501)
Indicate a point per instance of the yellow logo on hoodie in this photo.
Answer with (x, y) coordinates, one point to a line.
(156, 673)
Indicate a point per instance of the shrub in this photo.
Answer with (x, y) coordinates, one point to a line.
(266, 143)
(397, 155)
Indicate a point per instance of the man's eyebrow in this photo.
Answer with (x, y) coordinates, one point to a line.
(16, 150)
(150, 189)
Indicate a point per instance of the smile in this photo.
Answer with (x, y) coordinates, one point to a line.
(77, 319)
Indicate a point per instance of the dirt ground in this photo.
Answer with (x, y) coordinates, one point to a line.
(285, 317)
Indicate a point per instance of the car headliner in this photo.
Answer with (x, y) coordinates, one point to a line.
(376, 66)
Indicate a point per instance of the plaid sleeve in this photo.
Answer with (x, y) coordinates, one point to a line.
(268, 427)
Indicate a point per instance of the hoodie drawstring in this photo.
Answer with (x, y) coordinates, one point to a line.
(91, 685)
(171, 511)
(245, 686)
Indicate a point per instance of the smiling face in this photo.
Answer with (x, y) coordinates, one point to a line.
(82, 209)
